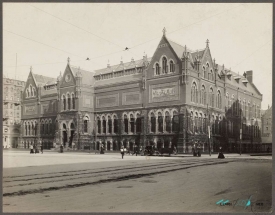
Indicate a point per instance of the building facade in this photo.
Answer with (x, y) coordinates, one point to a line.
(168, 100)
(12, 111)
(267, 129)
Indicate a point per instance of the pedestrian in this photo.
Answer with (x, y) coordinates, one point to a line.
(136, 149)
(122, 151)
(61, 148)
(31, 149)
(41, 147)
(35, 150)
(73, 144)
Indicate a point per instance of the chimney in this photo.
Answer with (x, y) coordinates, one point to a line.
(249, 76)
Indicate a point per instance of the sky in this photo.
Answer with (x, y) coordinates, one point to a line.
(44, 35)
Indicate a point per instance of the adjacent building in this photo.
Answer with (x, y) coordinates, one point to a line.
(267, 130)
(11, 111)
(170, 99)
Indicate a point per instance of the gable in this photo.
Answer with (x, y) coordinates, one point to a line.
(207, 58)
(164, 49)
(67, 78)
(30, 83)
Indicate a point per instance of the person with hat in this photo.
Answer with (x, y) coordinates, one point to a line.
(122, 151)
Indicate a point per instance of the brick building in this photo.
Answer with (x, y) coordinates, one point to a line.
(167, 100)
(267, 129)
(11, 111)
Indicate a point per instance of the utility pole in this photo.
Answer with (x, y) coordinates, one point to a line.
(208, 126)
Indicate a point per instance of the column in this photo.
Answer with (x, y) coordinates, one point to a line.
(111, 145)
(68, 137)
(164, 124)
(170, 144)
(113, 126)
(162, 145)
(135, 126)
(171, 125)
(129, 126)
(157, 124)
(101, 126)
(128, 144)
(107, 126)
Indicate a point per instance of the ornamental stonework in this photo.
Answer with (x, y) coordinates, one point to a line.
(164, 92)
(30, 109)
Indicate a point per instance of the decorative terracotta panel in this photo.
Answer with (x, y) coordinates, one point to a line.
(107, 101)
(131, 98)
(164, 92)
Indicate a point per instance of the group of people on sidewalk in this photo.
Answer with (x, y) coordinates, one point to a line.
(124, 150)
(34, 148)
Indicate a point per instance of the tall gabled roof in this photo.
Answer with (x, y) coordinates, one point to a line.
(87, 77)
(43, 80)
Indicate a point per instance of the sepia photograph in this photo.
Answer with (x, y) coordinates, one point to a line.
(137, 107)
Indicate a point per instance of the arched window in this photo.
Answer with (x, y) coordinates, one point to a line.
(211, 75)
(109, 125)
(157, 69)
(153, 123)
(103, 125)
(98, 125)
(115, 124)
(175, 122)
(194, 93)
(29, 128)
(167, 122)
(203, 95)
(138, 124)
(26, 129)
(172, 66)
(211, 98)
(69, 101)
(27, 93)
(160, 122)
(200, 128)
(73, 101)
(203, 72)
(164, 65)
(196, 123)
(125, 123)
(132, 123)
(86, 119)
(64, 102)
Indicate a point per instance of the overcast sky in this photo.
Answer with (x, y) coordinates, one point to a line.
(44, 35)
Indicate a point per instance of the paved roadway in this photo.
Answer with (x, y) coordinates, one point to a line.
(82, 182)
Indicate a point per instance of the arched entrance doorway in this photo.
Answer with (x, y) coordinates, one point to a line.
(64, 134)
(72, 130)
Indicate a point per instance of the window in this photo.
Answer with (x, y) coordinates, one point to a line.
(194, 93)
(64, 102)
(73, 102)
(103, 125)
(267, 128)
(203, 95)
(167, 121)
(211, 98)
(125, 123)
(115, 125)
(172, 66)
(138, 124)
(164, 65)
(85, 125)
(69, 101)
(132, 123)
(219, 99)
(98, 125)
(160, 122)
(175, 122)
(203, 72)
(109, 125)
(157, 69)
(153, 123)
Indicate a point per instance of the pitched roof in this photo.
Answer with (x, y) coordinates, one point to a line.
(87, 77)
(120, 80)
(121, 66)
(179, 49)
(43, 80)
